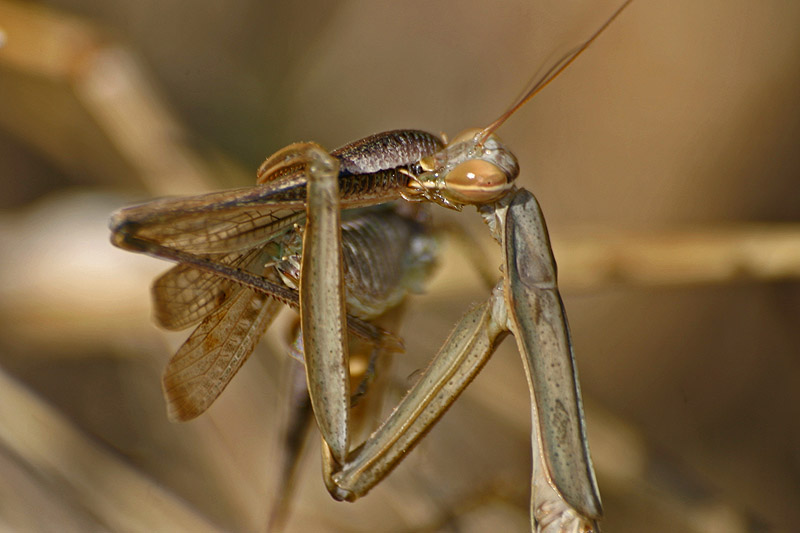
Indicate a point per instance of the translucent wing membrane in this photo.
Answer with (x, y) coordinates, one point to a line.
(240, 219)
(219, 229)
(211, 356)
(185, 295)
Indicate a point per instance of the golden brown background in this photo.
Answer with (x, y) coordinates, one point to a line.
(683, 117)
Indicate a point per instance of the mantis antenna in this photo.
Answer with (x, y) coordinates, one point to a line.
(549, 75)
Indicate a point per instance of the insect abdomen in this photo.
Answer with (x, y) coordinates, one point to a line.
(386, 256)
(387, 150)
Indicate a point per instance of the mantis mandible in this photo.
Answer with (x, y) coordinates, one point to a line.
(314, 234)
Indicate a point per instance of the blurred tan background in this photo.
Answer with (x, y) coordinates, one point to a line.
(680, 125)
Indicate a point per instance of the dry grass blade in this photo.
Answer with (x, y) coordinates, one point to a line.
(591, 260)
(110, 84)
(79, 471)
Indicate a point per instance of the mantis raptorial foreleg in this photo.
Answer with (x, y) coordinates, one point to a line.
(460, 359)
(322, 303)
(537, 318)
(526, 302)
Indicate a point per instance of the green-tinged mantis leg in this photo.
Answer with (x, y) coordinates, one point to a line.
(460, 359)
(526, 302)
(322, 307)
(539, 323)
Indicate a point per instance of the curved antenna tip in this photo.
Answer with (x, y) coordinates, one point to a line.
(550, 74)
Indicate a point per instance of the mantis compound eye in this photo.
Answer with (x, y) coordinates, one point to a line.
(476, 181)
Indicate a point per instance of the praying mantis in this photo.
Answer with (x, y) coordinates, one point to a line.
(342, 237)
